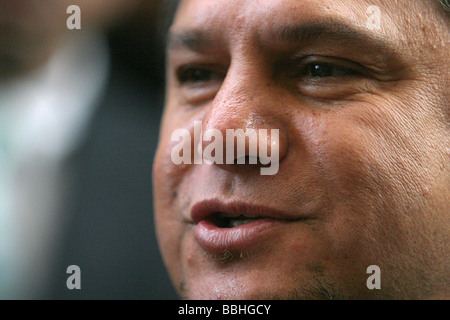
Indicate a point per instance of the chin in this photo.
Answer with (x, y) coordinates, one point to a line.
(255, 285)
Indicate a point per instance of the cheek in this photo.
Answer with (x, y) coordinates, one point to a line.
(169, 229)
(167, 175)
(169, 184)
(338, 157)
(374, 163)
(365, 153)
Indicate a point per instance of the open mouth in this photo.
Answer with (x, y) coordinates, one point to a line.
(235, 225)
(225, 220)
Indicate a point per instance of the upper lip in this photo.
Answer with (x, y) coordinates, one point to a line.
(204, 209)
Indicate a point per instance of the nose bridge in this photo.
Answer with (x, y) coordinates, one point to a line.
(242, 99)
(244, 106)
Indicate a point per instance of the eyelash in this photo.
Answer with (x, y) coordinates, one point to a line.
(311, 69)
(326, 70)
(192, 74)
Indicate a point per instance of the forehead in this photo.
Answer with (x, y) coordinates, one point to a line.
(229, 20)
(235, 16)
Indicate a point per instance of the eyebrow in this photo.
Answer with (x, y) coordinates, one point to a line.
(333, 30)
(199, 41)
(195, 40)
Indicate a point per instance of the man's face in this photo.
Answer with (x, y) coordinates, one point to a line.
(361, 106)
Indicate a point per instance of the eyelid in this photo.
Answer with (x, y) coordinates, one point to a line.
(351, 78)
(215, 71)
(334, 61)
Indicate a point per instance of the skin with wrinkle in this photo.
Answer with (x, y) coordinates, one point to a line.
(365, 154)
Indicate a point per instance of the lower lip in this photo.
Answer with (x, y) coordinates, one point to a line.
(216, 240)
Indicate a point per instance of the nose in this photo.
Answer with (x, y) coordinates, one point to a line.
(245, 116)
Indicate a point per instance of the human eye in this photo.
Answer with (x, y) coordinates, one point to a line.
(327, 70)
(197, 75)
(197, 84)
(316, 68)
(329, 77)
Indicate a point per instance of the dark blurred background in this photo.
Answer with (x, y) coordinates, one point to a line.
(76, 149)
